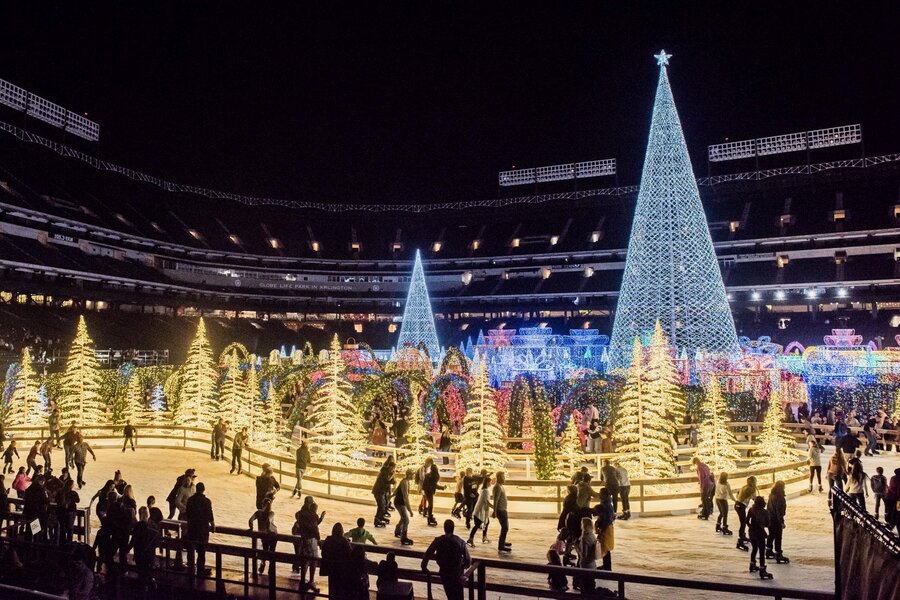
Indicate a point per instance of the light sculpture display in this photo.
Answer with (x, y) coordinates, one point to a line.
(417, 327)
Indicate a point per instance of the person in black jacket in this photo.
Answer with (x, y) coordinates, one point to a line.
(757, 523)
(143, 543)
(335, 562)
(173, 495)
(777, 507)
(382, 490)
(266, 485)
(37, 506)
(237, 449)
(301, 462)
(130, 433)
(429, 487)
(470, 494)
(200, 523)
(453, 559)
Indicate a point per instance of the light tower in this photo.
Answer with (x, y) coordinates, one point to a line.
(418, 319)
(671, 273)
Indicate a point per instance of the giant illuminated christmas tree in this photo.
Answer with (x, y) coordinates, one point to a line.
(24, 403)
(418, 320)
(80, 399)
(671, 273)
(198, 383)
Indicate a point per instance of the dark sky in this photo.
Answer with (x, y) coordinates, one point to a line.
(426, 101)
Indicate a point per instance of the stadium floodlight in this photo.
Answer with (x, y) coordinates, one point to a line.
(34, 106)
(582, 170)
(791, 142)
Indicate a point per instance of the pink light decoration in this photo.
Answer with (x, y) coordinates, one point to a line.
(843, 338)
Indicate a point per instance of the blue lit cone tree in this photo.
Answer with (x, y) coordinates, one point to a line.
(671, 272)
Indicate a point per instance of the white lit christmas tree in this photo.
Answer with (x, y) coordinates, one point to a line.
(642, 430)
(716, 442)
(662, 377)
(198, 383)
(24, 403)
(416, 445)
(671, 272)
(232, 392)
(133, 409)
(417, 326)
(80, 400)
(775, 445)
(336, 424)
(481, 445)
(571, 451)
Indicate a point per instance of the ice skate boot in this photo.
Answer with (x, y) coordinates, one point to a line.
(781, 559)
(763, 574)
(753, 567)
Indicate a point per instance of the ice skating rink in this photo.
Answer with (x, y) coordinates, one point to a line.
(676, 546)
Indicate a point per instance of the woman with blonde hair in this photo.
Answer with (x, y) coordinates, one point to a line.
(723, 495)
(744, 499)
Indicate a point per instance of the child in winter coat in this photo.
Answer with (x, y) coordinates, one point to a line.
(758, 522)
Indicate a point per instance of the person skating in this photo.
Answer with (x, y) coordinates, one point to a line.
(609, 477)
(266, 485)
(452, 557)
(46, 452)
(777, 508)
(404, 510)
(814, 458)
(757, 523)
(481, 513)
(70, 437)
(459, 498)
(130, 433)
(707, 484)
(470, 494)
(722, 496)
(31, 459)
(53, 425)
(237, 448)
(500, 513)
(381, 490)
(744, 498)
(7, 456)
(624, 490)
(359, 535)
(173, 495)
(220, 429)
(79, 456)
(430, 485)
(301, 462)
(264, 517)
(878, 483)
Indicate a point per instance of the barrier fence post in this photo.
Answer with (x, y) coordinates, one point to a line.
(220, 584)
(482, 582)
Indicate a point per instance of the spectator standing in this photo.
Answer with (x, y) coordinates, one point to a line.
(220, 429)
(470, 494)
(301, 462)
(130, 434)
(891, 502)
(173, 495)
(837, 470)
(606, 518)
(624, 490)
(143, 543)
(66, 507)
(265, 522)
(200, 523)
(610, 479)
(184, 495)
(335, 562)
(586, 548)
(452, 557)
(237, 448)
(69, 438)
(53, 425)
(307, 527)
(21, 482)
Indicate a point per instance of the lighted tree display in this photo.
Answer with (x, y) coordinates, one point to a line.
(267, 432)
(417, 327)
(571, 450)
(416, 444)
(716, 443)
(336, 424)
(197, 393)
(133, 408)
(80, 400)
(24, 402)
(233, 397)
(544, 442)
(246, 416)
(662, 377)
(671, 272)
(775, 445)
(481, 445)
(642, 430)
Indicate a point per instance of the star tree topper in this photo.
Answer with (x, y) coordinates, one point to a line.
(662, 59)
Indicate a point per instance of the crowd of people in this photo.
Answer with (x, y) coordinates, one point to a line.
(131, 534)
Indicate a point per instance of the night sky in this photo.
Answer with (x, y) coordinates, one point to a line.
(426, 101)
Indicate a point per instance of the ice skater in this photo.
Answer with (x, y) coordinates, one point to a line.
(723, 495)
(758, 522)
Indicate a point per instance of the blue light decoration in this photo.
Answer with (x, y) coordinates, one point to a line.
(417, 326)
(671, 273)
(541, 354)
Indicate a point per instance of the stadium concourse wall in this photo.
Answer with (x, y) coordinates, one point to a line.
(528, 497)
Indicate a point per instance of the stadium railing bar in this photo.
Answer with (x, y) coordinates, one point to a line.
(483, 576)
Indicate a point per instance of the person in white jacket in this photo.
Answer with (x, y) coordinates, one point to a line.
(482, 512)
